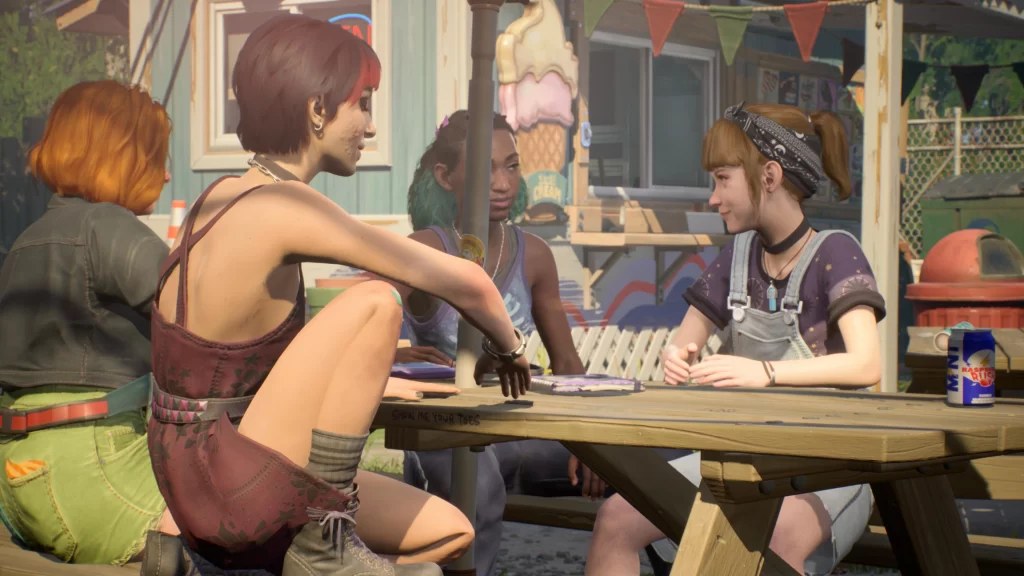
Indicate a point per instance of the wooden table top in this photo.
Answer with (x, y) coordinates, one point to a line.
(865, 426)
(921, 351)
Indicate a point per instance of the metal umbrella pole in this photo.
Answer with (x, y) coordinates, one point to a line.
(474, 226)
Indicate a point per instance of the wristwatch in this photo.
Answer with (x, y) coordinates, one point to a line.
(507, 357)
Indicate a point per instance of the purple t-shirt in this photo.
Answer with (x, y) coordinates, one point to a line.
(838, 279)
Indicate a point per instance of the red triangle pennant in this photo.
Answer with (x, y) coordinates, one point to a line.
(805, 20)
(661, 17)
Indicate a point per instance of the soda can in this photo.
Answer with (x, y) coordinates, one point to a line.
(971, 367)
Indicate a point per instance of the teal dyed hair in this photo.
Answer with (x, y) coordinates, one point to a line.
(430, 204)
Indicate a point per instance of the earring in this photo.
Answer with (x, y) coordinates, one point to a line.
(319, 128)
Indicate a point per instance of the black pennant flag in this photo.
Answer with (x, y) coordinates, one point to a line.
(968, 81)
(912, 70)
(853, 59)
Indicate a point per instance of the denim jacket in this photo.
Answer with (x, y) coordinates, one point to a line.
(76, 291)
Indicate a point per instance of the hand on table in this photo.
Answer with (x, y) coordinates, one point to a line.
(678, 363)
(422, 354)
(514, 376)
(593, 486)
(725, 371)
(413, 390)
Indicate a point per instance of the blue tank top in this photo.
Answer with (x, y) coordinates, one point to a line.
(441, 329)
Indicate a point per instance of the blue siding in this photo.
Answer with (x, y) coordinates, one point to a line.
(371, 190)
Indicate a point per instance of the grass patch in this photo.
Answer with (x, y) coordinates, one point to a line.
(381, 464)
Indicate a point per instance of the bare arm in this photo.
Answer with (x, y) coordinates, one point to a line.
(860, 366)
(695, 329)
(548, 313)
(305, 226)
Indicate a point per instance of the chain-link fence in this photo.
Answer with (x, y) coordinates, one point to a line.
(940, 148)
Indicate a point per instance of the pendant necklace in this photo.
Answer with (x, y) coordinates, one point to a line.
(501, 248)
(270, 168)
(773, 293)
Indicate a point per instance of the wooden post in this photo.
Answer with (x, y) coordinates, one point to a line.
(958, 137)
(880, 208)
(581, 160)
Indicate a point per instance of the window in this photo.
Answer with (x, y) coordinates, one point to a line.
(648, 116)
(221, 30)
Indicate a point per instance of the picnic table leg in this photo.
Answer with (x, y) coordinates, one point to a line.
(729, 539)
(668, 499)
(924, 527)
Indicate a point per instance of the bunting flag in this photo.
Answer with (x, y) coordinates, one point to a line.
(593, 10)
(732, 23)
(1019, 69)
(968, 81)
(853, 59)
(805, 21)
(661, 17)
(912, 70)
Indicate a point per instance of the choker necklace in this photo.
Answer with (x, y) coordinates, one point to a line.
(271, 168)
(789, 241)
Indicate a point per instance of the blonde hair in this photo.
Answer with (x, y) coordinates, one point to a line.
(104, 142)
(727, 145)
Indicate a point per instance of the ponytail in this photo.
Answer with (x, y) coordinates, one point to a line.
(835, 155)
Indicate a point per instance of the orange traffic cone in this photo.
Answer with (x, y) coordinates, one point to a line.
(178, 211)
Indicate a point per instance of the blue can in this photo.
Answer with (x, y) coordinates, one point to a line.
(971, 367)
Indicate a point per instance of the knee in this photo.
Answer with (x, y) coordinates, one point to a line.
(459, 537)
(615, 521)
(800, 528)
(375, 296)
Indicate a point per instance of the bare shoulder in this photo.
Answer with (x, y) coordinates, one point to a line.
(428, 237)
(536, 246)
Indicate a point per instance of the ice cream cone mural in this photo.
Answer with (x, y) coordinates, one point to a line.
(537, 73)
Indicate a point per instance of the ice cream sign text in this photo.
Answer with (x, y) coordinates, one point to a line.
(359, 25)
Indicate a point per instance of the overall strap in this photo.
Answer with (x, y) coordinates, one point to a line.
(740, 270)
(188, 241)
(791, 301)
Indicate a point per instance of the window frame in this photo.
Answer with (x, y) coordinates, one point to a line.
(706, 55)
(211, 148)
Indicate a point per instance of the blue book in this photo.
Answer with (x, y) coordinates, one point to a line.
(422, 371)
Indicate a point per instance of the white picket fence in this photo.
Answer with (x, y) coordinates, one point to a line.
(616, 351)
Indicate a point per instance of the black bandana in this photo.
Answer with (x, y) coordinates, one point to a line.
(799, 154)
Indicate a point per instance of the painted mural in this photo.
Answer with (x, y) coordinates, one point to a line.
(537, 84)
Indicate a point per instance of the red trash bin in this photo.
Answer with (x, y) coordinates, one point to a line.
(973, 276)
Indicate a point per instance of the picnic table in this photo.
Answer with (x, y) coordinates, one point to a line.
(758, 445)
(928, 362)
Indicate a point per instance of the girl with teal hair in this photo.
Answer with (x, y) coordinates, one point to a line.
(523, 268)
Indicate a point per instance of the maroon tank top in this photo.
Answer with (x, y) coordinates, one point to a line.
(237, 502)
(214, 369)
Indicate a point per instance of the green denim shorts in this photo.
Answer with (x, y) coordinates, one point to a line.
(90, 495)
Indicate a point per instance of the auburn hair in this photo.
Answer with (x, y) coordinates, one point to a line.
(286, 61)
(727, 145)
(104, 142)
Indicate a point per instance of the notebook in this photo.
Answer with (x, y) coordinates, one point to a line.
(586, 384)
(422, 371)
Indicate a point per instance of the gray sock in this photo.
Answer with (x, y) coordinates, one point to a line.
(335, 458)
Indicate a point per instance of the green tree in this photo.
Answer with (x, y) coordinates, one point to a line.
(38, 62)
(936, 93)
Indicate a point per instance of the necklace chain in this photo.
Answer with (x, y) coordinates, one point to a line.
(764, 260)
(254, 164)
(501, 248)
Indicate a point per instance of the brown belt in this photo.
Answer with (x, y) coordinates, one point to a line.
(178, 410)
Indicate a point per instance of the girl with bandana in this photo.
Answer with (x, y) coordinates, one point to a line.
(794, 306)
